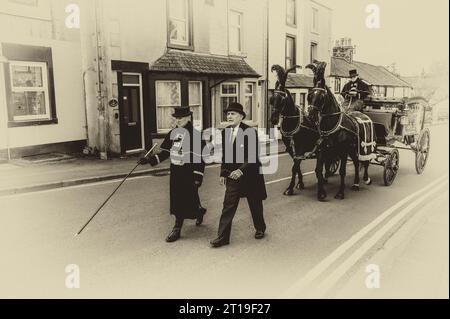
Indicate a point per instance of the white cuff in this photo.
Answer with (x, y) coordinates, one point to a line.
(157, 159)
(198, 173)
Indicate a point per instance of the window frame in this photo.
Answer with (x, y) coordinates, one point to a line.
(45, 89)
(241, 32)
(288, 23)
(189, 45)
(254, 98)
(294, 53)
(222, 95)
(316, 46)
(337, 85)
(315, 21)
(158, 129)
(29, 53)
(201, 101)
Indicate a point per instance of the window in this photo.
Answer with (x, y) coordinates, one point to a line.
(390, 92)
(313, 51)
(303, 100)
(32, 3)
(29, 91)
(37, 9)
(229, 93)
(294, 98)
(196, 103)
(315, 20)
(250, 100)
(179, 25)
(235, 32)
(290, 52)
(291, 12)
(337, 85)
(168, 96)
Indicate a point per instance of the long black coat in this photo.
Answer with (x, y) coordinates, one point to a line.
(360, 86)
(187, 166)
(252, 183)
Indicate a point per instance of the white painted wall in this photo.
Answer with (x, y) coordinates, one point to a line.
(69, 100)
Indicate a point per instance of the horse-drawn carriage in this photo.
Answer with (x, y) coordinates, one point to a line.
(399, 124)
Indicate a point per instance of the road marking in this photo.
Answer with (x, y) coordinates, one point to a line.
(320, 268)
(343, 268)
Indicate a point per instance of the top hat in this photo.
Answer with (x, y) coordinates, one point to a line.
(353, 73)
(236, 107)
(182, 111)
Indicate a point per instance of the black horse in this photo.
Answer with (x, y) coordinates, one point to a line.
(338, 133)
(299, 134)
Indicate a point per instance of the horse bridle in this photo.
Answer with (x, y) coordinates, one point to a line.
(319, 119)
(299, 116)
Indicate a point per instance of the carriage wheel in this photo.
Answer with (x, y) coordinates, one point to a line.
(422, 151)
(391, 166)
(334, 166)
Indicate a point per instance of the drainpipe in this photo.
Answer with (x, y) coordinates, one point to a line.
(100, 74)
(3, 62)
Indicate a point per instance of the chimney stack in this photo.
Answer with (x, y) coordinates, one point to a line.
(344, 49)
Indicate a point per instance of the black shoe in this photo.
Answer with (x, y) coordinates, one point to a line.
(174, 235)
(201, 212)
(219, 242)
(259, 234)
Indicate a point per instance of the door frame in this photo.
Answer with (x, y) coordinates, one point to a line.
(141, 109)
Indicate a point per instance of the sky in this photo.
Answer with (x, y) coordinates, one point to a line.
(413, 34)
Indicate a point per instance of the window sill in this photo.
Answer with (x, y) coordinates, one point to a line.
(291, 25)
(238, 55)
(12, 124)
(315, 32)
(180, 47)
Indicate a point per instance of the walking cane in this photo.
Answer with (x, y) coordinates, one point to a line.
(112, 194)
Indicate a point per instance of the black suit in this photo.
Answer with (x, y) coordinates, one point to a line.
(242, 154)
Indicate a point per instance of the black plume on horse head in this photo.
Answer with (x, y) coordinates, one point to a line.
(319, 72)
(282, 75)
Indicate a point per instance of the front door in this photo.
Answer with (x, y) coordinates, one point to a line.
(131, 113)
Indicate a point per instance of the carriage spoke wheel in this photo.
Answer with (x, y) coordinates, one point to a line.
(422, 151)
(391, 166)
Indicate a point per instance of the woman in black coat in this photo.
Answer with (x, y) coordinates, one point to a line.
(184, 147)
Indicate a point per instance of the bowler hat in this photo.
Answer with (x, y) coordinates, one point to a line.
(236, 107)
(353, 73)
(182, 111)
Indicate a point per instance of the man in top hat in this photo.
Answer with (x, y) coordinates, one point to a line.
(355, 92)
(184, 147)
(240, 173)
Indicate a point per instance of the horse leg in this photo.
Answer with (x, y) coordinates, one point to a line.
(321, 193)
(327, 169)
(290, 190)
(367, 180)
(300, 184)
(342, 172)
(356, 163)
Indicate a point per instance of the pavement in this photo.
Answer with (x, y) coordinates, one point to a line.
(311, 249)
(21, 176)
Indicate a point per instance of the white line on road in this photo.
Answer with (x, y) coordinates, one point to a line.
(330, 281)
(320, 268)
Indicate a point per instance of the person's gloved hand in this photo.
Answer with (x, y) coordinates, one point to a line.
(144, 161)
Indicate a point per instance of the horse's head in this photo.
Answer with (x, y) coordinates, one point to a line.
(281, 98)
(278, 103)
(318, 96)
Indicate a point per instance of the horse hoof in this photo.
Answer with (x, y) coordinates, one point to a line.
(368, 182)
(339, 196)
(325, 181)
(355, 188)
(300, 186)
(288, 192)
(321, 196)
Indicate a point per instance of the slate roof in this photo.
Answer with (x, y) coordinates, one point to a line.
(374, 75)
(299, 81)
(207, 64)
